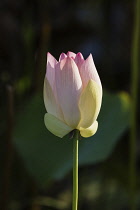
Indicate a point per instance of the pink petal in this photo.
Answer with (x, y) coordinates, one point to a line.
(62, 56)
(79, 59)
(88, 71)
(50, 70)
(68, 86)
(71, 54)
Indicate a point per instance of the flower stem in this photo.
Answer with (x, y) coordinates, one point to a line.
(134, 94)
(75, 170)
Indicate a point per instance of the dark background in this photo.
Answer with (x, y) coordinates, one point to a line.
(28, 30)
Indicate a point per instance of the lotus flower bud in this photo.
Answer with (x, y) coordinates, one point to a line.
(72, 94)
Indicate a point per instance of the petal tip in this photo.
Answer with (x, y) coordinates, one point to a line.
(90, 57)
(62, 56)
(49, 55)
(71, 54)
(79, 54)
(51, 59)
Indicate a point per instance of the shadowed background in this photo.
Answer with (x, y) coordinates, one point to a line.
(36, 167)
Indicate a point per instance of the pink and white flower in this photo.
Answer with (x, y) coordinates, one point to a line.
(72, 94)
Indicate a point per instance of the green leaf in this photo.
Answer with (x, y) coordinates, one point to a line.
(113, 121)
(48, 157)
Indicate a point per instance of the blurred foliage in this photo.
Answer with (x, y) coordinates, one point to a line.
(48, 157)
(35, 165)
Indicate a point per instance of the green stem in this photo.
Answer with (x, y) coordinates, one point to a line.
(75, 170)
(134, 94)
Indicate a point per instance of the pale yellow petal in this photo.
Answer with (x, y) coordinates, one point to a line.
(55, 126)
(89, 131)
(50, 101)
(89, 104)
